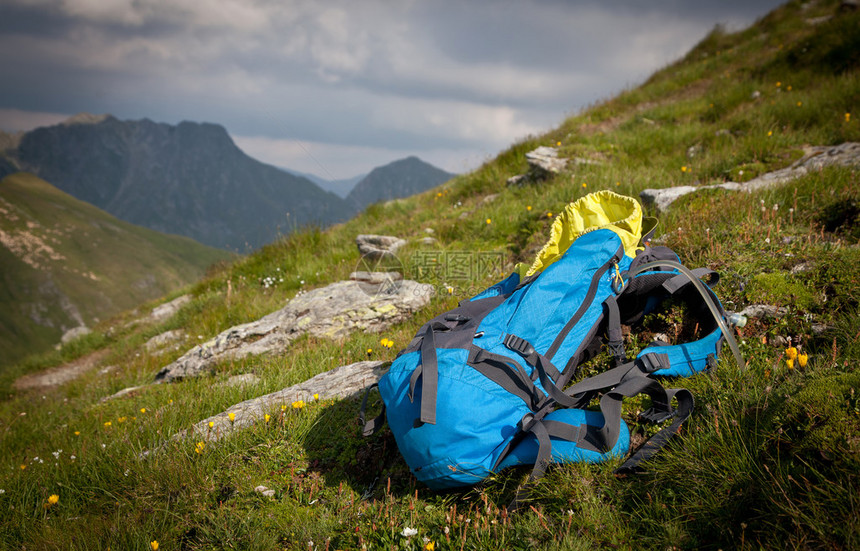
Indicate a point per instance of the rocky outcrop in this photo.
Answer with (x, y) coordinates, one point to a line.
(331, 312)
(340, 382)
(815, 158)
(376, 247)
(545, 162)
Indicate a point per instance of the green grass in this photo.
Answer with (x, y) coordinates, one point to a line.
(769, 458)
(84, 265)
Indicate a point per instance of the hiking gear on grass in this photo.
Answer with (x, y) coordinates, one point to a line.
(485, 386)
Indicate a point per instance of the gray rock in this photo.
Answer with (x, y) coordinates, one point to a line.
(764, 311)
(428, 240)
(816, 158)
(486, 200)
(545, 160)
(123, 392)
(331, 312)
(165, 311)
(376, 247)
(517, 180)
(164, 339)
(265, 491)
(75, 333)
(429, 231)
(340, 382)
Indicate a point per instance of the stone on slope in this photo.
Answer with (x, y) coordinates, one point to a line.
(815, 158)
(340, 382)
(375, 247)
(332, 312)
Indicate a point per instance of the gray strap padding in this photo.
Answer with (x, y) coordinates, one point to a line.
(613, 331)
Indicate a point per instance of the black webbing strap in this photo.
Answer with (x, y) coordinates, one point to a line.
(613, 331)
(656, 442)
(675, 283)
(543, 366)
(372, 426)
(428, 371)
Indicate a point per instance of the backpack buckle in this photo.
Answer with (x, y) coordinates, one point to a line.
(527, 422)
(654, 416)
(519, 345)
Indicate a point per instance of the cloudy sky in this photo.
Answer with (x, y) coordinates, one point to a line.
(337, 88)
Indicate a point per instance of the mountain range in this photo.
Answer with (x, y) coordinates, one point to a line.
(191, 179)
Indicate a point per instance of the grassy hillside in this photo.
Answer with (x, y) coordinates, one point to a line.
(67, 263)
(770, 458)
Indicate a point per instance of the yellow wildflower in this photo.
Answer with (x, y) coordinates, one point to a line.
(121, 420)
(77, 433)
(283, 407)
(791, 352)
(584, 185)
(799, 104)
(211, 424)
(529, 207)
(231, 416)
(778, 84)
(802, 359)
(317, 396)
(549, 215)
(23, 467)
(369, 351)
(53, 499)
(430, 546)
(847, 117)
(770, 132)
(683, 169)
(298, 404)
(489, 221)
(789, 362)
(154, 545)
(199, 447)
(143, 410)
(558, 144)
(266, 418)
(108, 423)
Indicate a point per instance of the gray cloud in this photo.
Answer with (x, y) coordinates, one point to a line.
(414, 77)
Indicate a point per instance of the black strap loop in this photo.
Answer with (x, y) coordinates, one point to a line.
(370, 427)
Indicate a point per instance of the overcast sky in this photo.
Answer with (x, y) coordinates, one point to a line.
(337, 88)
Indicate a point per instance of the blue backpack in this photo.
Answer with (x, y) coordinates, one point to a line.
(486, 385)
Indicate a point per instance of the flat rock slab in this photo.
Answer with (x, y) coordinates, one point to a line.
(815, 158)
(331, 312)
(340, 382)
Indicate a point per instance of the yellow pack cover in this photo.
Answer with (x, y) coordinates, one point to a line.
(602, 209)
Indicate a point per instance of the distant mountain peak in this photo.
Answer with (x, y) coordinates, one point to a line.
(85, 118)
(400, 178)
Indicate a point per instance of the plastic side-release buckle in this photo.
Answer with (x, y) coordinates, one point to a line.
(654, 416)
(652, 362)
(519, 345)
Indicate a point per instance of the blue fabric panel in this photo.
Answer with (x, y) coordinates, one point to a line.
(688, 358)
(475, 419)
(526, 452)
(537, 312)
(503, 287)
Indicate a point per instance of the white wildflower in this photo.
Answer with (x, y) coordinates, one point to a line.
(408, 532)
